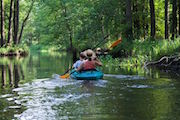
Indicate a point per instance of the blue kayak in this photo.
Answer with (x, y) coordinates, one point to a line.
(87, 75)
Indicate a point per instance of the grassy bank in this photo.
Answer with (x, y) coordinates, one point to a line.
(142, 51)
(14, 51)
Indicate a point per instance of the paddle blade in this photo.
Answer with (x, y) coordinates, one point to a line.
(65, 76)
(116, 43)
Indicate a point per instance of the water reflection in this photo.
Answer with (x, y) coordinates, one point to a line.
(14, 72)
(22, 70)
(11, 75)
(10, 71)
(3, 76)
(28, 92)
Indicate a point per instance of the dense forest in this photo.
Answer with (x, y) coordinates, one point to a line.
(81, 24)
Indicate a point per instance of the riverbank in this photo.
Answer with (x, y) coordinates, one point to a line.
(14, 51)
(144, 51)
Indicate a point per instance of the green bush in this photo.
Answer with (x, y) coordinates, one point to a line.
(22, 49)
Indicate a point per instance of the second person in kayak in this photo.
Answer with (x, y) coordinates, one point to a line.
(91, 62)
(82, 58)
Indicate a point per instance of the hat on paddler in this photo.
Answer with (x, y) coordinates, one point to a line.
(90, 54)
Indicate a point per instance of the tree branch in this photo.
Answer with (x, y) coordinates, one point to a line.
(24, 21)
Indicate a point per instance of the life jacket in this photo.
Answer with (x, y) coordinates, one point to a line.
(89, 65)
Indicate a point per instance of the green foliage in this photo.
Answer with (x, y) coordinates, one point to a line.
(108, 61)
(159, 12)
(142, 51)
(57, 23)
(54, 25)
(11, 50)
(155, 49)
(24, 6)
(43, 48)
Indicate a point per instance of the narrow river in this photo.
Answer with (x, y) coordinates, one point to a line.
(31, 90)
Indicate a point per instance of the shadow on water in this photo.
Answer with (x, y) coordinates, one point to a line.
(11, 75)
(29, 92)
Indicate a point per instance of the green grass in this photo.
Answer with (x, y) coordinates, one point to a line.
(154, 50)
(142, 51)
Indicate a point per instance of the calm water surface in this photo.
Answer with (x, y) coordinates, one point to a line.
(31, 90)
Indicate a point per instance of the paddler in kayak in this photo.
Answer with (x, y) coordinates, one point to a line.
(82, 58)
(91, 62)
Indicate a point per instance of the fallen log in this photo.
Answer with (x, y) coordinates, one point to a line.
(166, 62)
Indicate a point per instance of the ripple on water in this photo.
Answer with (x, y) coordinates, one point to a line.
(97, 83)
(6, 95)
(139, 86)
(39, 97)
(41, 108)
(14, 107)
(127, 77)
(101, 83)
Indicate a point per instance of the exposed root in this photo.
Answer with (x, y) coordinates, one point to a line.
(172, 61)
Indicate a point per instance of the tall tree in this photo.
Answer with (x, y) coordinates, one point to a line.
(145, 23)
(166, 20)
(10, 22)
(174, 19)
(179, 14)
(16, 20)
(2, 24)
(129, 33)
(136, 20)
(152, 13)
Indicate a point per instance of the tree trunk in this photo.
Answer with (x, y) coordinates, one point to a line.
(70, 31)
(16, 20)
(102, 27)
(145, 23)
(152, 12)
(129, 33)
(70, 38)
(24, 22)
(179, 15)
(10, 23)
(2, 24)
(137, 27)
(166, 20)
(174, 19)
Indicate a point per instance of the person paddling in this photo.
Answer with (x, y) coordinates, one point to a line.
(91, 62)
(82, 58)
